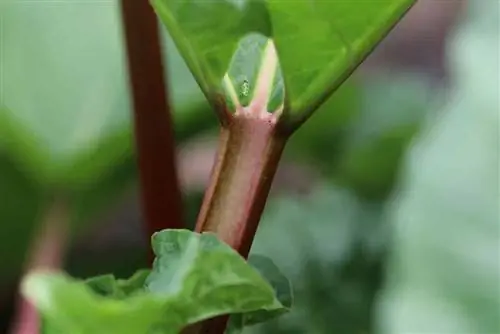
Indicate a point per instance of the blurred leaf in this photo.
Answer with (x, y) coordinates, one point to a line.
(358, 137)
(445, 267)
(282, 288)
(65, 86)
(393, 107)
(194, 277)
(108, 286)
(207, 43)
(70, 306)
(331, 247)
(253, 60)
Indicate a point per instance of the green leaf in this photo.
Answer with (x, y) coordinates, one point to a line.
(282, 288)
(207, 275)
(70, 306)
(107, 285)
(66, 114)
(20, 203)
(194, 277)
(445, 268)
(254, 66)
(393, 107)
(318, 44)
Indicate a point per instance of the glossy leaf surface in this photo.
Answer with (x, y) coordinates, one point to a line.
(207, 275)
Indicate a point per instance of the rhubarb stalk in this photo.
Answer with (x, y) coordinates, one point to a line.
(250, 147)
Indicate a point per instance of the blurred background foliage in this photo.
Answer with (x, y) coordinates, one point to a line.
(65, 126)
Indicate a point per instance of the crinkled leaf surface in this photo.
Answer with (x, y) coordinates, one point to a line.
(209, 276)
(445, 269)
(20, 201)
(194, 277)
(283, 290)
(318, 42)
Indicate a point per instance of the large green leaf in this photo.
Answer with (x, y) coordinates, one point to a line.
(67, 115)
(318, 44)
(194, 277)
(445, 270)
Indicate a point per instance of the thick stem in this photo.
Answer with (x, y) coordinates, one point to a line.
(161, 195)
(249, 152)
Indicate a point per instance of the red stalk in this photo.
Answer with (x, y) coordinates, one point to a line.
(154, 136)
(250, 148)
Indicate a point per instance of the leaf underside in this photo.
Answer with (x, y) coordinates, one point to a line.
(194, 277)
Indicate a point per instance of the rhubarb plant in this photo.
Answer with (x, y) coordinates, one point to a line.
(264, 66)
